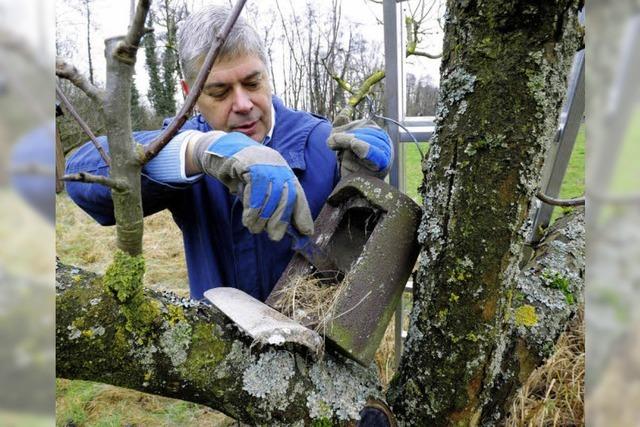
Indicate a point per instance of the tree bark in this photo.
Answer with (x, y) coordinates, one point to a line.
(187, 350)
(503, 78)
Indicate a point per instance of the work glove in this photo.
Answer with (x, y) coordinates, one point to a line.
(362, 146)
(271, 195)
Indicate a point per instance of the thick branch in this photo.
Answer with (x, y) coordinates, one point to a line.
(96, 179)
(128, 47)
(186, 350)
(64, 70)
(560, 202)
(85, 127)
(152, 149)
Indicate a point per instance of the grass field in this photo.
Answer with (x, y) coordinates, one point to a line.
(572, 185)
(82, 242)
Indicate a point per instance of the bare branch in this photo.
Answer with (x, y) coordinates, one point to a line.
(341, 82)
(345, 115)
(85, 127)
(424, 54)
(560, 202)
(158, 144)
(127, 49)
(64, 70)
(96, 179)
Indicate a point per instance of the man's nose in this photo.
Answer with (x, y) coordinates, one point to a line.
(241, 101)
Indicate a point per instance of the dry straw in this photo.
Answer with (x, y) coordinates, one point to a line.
(554, 393)
(310, 301)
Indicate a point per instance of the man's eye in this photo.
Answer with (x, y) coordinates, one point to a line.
(252, 84)
(218, 94)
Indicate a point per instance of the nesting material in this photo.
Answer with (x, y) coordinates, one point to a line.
(310, 301)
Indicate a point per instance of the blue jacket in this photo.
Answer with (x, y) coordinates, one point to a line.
(219, 250)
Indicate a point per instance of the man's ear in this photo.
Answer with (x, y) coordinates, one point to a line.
(185, 88)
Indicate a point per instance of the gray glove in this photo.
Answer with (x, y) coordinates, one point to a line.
(362, 147)
(271, 194)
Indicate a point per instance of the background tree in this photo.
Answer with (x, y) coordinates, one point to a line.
(478, 325)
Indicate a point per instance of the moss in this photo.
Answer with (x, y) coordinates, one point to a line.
(322, 422)
(454, 298)
(442, 314)
(472, 337)
(206, 351)
(526, 316)
(556, 280)
(175, 314)
(123, 280)
(123, 277)
(141, 313)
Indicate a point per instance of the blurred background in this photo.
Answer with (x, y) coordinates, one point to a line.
(27, 251)
(613, 213)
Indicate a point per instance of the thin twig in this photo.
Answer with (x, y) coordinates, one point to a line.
(163, 139)
(580, 201)
(128, 47)
(96, 179)
(64, 70)
(67, 105)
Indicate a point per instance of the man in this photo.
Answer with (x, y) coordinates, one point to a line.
(235, 191)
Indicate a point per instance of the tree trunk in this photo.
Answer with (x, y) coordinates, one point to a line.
(124, 151)
(503, 78)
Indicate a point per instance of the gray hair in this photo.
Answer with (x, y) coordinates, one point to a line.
(197, 33)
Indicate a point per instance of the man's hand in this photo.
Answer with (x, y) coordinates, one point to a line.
(271, 194)
(362, 147)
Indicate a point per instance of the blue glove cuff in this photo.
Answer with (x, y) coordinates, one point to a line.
(229, 144)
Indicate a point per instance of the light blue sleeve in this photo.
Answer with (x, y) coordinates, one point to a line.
(169, 165)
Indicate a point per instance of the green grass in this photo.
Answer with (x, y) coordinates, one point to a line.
(84, 403)
(413, 169)
(572, 185)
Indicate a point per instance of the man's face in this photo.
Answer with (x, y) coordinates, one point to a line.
(237, 97)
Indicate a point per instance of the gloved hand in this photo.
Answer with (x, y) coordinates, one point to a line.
(271, 194)
(362, 147)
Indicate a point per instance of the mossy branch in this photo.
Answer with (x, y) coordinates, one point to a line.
(112, 331)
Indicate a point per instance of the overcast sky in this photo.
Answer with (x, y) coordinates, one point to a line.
(111, 18)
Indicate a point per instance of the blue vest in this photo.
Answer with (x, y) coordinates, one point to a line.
(219, 250)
